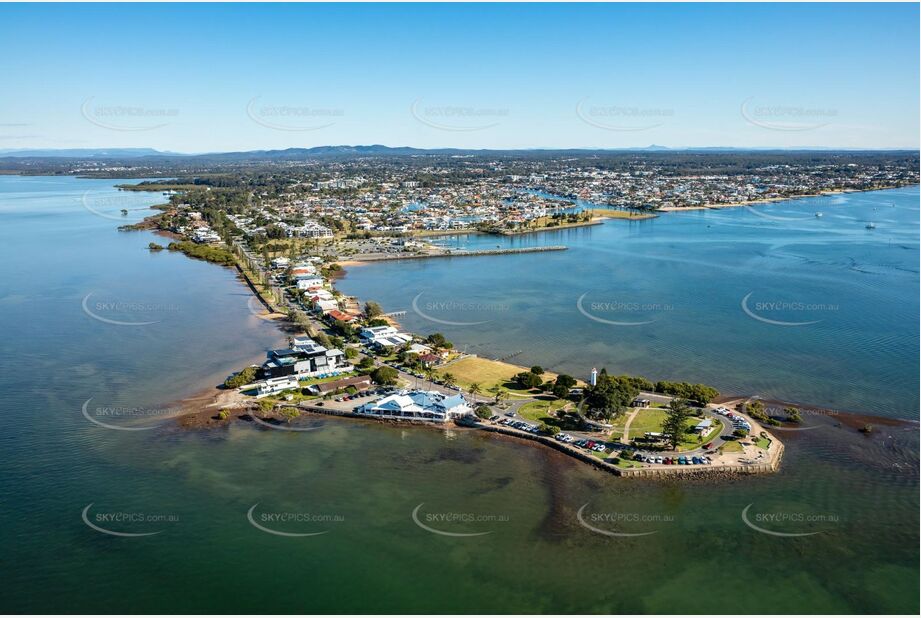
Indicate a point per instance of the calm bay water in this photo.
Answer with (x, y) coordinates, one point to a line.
(359, 483)
(769, 300)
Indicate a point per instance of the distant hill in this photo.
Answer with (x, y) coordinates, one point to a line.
(83, 153)
(377, 150)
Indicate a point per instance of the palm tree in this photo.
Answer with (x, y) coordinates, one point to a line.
(449, 380)
(475, 390)
(501, 394)
(429, 375)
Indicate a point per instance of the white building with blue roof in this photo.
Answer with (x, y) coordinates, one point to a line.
(418, 405)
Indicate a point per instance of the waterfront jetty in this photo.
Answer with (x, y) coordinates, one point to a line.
(457, 253)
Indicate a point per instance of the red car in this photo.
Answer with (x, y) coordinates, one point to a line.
(708, 445)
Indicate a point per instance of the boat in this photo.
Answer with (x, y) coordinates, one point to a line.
(818, 214)
(871, 226)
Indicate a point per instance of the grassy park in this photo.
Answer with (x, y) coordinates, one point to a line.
(489, 374)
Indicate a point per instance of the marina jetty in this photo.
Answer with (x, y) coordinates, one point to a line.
(456, 253)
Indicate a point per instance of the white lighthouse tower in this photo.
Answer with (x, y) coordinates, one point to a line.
(594, 379)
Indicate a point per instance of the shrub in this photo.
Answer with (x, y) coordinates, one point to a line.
(544, 428)
(483, 411)
(528, 379)
(384, 375)
(793, 415)
(290, 413)
(209, 253)
(240, 378)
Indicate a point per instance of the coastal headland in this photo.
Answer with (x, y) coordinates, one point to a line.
(473, 374)
(277, 258)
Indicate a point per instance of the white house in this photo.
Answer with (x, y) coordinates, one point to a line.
(418, 348)
(325, 306)
(321, 294)
(309, 282)
(384, 336)
(303, 269)
(372, 332)
(275, 385)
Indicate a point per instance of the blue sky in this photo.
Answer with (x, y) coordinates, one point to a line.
(196, 78)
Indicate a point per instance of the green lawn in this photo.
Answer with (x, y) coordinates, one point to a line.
(763, 443)
(537, 410)
(489, 374)
(647, 420)
(731, 447)
(618, 423)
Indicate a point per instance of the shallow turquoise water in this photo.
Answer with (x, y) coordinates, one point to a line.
(359, 483)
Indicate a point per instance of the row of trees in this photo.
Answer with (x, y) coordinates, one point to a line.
(699, 393)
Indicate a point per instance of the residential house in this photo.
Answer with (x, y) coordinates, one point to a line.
(307, 359)
(272, 386)
(309, 282)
